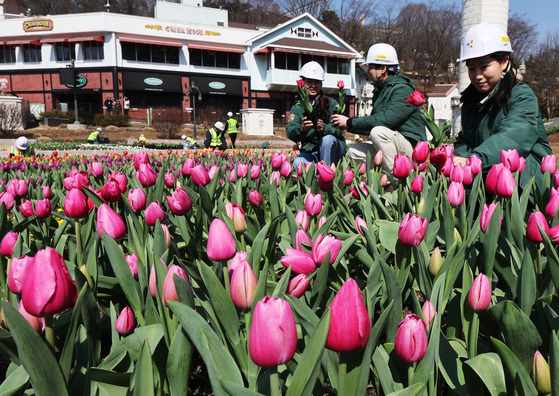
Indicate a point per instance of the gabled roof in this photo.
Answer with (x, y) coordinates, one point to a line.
(442, 90)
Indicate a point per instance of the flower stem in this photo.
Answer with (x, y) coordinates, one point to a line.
(49, 331)
(473, 335)
(342, 371)
(274, 382)
(79, 243)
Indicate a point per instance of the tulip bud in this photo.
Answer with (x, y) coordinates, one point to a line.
(243, 285)
(75, 204)
(110, 222)
(411, 339)
(221, 244)
(302, 219)
(26, 208)
(420, 205)
(378, 158)
(154, 212)
(132, 261)
(505, 183)
(17, 273)
(350, 324)
(300, 261)
(169, 180)
(421, 152)
(301, 237)
(435, 262)
(169, 289)
(360, 224)
(254, 171)
(428, 312)
(140, 157)
(96, 169)
(540, 374)
(7, 198)
(137, 199)
(348, 177)
(417, 184)
(324, 245)
(486, 214)
(553, 203)
(402, 166)
(199, 175)
(8, 243)
(187, 166)
(273, 335)
(286, 168)
(38, 323)
(237, 214)
(85, 272)
(235, 262)
(125, 322)
(455, 194)
(384, 180)
(255, 198)
(146, 175)
(412, 230)
(313, 204)
(298, 286)
(549, 163)
(479, 295)
(47, 192)
(179, 202)
(510, 159)
(325, 173)
(532, 231)
(438, 157)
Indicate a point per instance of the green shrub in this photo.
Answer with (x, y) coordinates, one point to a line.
(553, 129)
(105, 120)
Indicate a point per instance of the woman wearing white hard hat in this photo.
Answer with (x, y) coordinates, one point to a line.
(498, 111)
(395, 125)
(215, 137)
(21, 148)
(319, 140)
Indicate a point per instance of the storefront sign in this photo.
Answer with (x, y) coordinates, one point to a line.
(218, 85)
(184, 30)
(146, 81)
(37, 25)
(81, 81)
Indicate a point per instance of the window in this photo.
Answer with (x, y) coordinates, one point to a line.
(304, 32)
(286, 61)
(7, 54)
(65, 52)
(31, 53)
(150, 53)
(219, 59)
(307, 58)
(337, 66)
(93, 50)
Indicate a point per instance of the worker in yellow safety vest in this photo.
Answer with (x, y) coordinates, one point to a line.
(232, 128)
(189, 143)
(142, 140)
(95, 136)
(215, 137)
(21, 148)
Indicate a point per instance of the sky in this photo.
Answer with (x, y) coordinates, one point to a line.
(543, 13)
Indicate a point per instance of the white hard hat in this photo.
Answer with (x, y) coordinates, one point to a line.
(22, 143)
(230, 114)
(219, 125)
(382, 54)
(312, 70)
(142, 135)
(183, 137)
(100, 129)
(484, 39)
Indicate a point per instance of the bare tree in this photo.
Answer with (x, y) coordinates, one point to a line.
(292, 8)
(10, 118)
(523, 36)
(354, 15)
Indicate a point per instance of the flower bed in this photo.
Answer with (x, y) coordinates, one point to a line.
(162, 272)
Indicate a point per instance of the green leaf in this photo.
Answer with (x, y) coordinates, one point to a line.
(237, 390)
(395, 294)
(178, 363)
(451, 367)
(15, 382)
(411, 390)
(36, 357)
(488, 371)
(554, 362)
(388, 234)
(526, 286)
(521, 377)
(143, 374)
(490, 242)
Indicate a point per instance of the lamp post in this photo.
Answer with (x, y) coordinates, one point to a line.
(425, 82)
(195, 91)
(75, 90)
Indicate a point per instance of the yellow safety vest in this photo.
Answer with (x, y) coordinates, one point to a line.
(216, 138)
(189, 140)
(93, 135)
(142, 139)
(16, 153)
(232, 125)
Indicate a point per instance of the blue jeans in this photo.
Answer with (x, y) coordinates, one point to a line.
(330, 150)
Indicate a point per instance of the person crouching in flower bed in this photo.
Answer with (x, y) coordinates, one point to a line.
(21, 148)
(499, 113)
(215, 137)
(310, 120)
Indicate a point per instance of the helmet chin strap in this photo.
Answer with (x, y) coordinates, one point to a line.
(507, 69)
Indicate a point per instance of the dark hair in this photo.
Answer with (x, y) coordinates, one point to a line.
(471, 97)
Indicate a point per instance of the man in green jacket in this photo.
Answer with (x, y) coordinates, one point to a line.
(395, 125)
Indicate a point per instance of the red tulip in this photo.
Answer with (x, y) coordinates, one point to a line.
(302, 219)
(417, 184)
(402, 166)
(300, 83)
(416, 98)
(132, 261)
(298, 286)
(340, 84)
(323, 245)
(479, 295)
(7, 198)
(221, 244)
(455, 194)
(350, 324)
(532, 231)
(412, 230)
(8, 243)
(505, 183)
(510, 159)
(36, 322)
(411, 339)
(96, 169)
(420, 152)
(254, 198)
(428, 312)
(300, 261)
(313, 204)
(110, 222)
(169, 289)
(125, 322)
(237, 214)
(154, 212)
(179, 202)
(199, 175)
(137, 199)
(243, 285)
(273, 334)
(438, 157)
(17, 273)
(48, 288)
(486, 214)
(549, 163)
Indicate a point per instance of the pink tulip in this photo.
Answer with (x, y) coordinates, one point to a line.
(17, 273)
(468, 176)
(532, 230)
(447, 167)
(146, 175)
(378, 158)
(43, 208)
(169, 289)
(254, 198)
(273, 334)
(137, 199)
(300, 261)
(125, 322)
(96, 169)
(214, 170)
(242, 170)
(321, 222)
(486, 214)
(235, 262)
(340, 84)
(47, 192)
(221, 244)
(455, 194)
(360, 224)
(166, 234)
(7, 198)
(438, 157)
(277, 160)
(18, 188)
(510, 159)
(350, 324)
(492, 177)
(199, 175)
(553, 203)
(275, 178)
(140, 157)
(313, 204)
(132, 261)
(384, 180)
(254, 171)
(362, 168)
(505, 183)
(457, 173)
(411, 339)
(48, 288)
(323, 245)
(155, 212)
(479, 295)
(286, 168)
(417, 184)
(110, 222)
(428, 312)
(8, 243)
(179, 202)
(237, 214)
(522, 165)
(402, 166)
(549, 163)
(26, 208)
(169, 180)
(187, 166)
(416, 98)
(36, 322)
(298, 286)
(76, 179)
(111, 192)
(301, 237)
(233, 176)
(325, 173)
(152, 282)
(555, 182)
(120, 179)
(243, 285)
(348, 177)
(412, 230)
(302, 219)
(554, 234)
(420, 152)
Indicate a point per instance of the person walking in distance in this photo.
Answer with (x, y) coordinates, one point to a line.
(232, 128)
